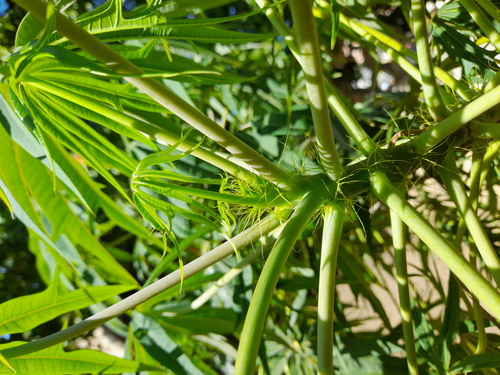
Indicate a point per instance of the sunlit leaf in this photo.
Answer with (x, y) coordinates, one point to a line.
(24, 313)
(55, 361)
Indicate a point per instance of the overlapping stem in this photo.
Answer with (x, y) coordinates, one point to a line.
(477, 284)
(399, 243)
(432, 96)
(307, 39)
(478, 154)
(364, 143)
(243, 239)
(162, 95)
(490, 8)
(429, 139)
(253, 328)
(454, 185)
(333, 217)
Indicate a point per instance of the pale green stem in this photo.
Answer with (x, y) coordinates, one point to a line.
(490, 8)
(160, 134)
(491, 153)
(332, 232)
(280, 26)
(477, 284)
(478, 154)
(364, 143)
(484, 130)
(253, 327)
(373, 35)
(483, 22)
(432, 137)
(399, 243)
(455, 187)
(312, 65)
(494, 82)
(163, 96)
(243, 239)
(432, 96)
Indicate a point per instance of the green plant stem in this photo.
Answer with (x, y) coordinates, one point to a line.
(399, 243)
(485, 130)
(478, 154)
(490, 8)
(491, 153)
(364, 143)
(243, 239)
(307, 39)
(429, 139)
(253, 327)
(432, 96)
(390, 46)
(494, 82)
(477, 284)
(454, 185)
(332, 232)
(483, 22)
(162, 95)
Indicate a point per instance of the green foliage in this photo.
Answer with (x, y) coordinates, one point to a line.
(206, 144)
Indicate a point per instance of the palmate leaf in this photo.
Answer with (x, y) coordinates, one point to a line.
(24, 313)
(24, 179)
(452, 28)
(108, 24)
(56, 125)
(55, 361)
(72, 175)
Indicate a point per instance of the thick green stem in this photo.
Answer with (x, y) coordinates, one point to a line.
(432, 137)
(332, 231)
(399, 243)
(243, 239)
(364, 143)
(477, 284)
(432, 96)
(478, 154)
(253, 328)
(483, 22)
(162, 95)
(490, 8)
(307, 39)
(485, 130)
(454, 185)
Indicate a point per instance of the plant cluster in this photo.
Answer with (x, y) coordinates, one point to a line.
(195, 177)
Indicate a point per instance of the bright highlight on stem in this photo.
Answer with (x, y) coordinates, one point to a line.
(332, 232)
(307, 39)
(476, 283)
